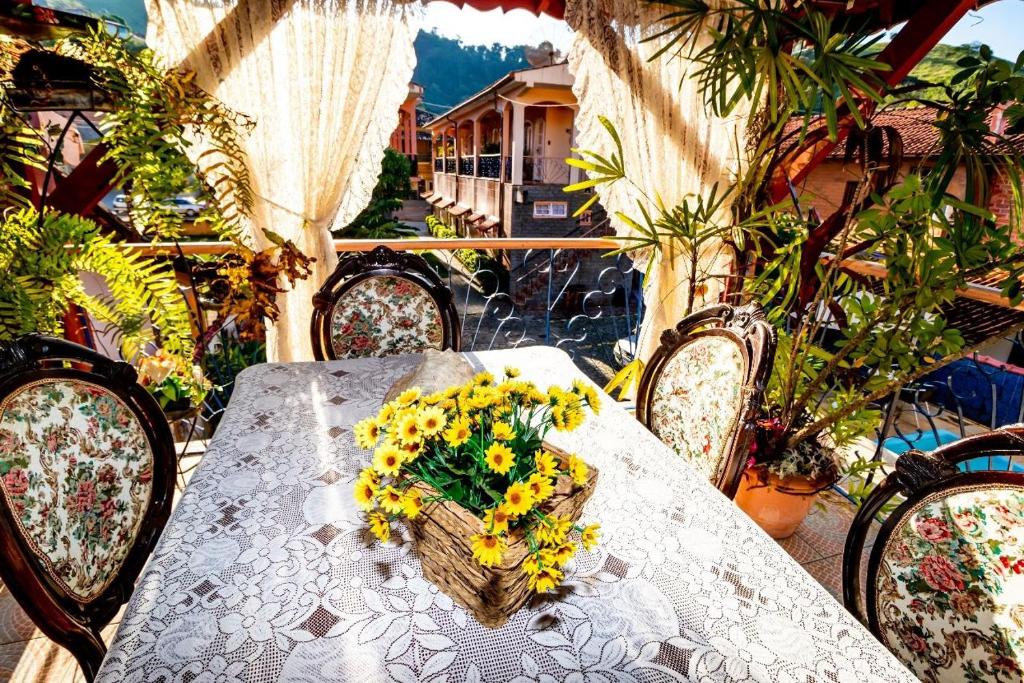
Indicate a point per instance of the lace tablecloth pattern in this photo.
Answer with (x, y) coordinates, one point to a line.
(266, 571)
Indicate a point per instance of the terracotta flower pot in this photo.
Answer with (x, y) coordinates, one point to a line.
(778, 505)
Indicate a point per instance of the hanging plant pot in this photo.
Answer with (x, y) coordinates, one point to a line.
(777, 504)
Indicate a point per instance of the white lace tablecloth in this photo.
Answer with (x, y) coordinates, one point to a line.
(266, 572)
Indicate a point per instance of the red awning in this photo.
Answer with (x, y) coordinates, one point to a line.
(445, 203)
(459, 209)
(554, 8)
(488, 224)
(474, 217)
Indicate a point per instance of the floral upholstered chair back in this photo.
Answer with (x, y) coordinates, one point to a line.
(945, 579)
(381, 304)
(86, 480)
(700, 388)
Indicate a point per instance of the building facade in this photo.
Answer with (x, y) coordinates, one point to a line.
(499, 159)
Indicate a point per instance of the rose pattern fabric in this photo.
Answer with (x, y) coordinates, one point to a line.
(266, 570)
(76, 469)
(695, 404)
(950, 589)
(383, 316)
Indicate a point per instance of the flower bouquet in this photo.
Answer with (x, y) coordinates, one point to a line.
(492, 508)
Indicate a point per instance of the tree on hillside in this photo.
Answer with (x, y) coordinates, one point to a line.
(450, 71)
(377, 221)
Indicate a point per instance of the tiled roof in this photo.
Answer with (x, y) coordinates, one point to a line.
(916, 127)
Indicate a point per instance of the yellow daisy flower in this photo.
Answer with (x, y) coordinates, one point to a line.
(558, 418)
(531, 565)
(387, 459)
(511, 372)
(593, 399)
(412, 503)
(431, 420)
(546, 463)
(503, 431)
(410, 451)
(499, 458)
(483, 379)
(391, 500)
(386, 413)
(409, 430)
(370, 476)
(408, 396)
(550, 531)
(488, 548)
(364, 493)
(433, 399)
(367, 432)
(496, 520)
(457, 433)
(540, 487)
(577, 470)
(589, 536)
(379, 526)
(564, 553)
(545, 579)
(517, 499)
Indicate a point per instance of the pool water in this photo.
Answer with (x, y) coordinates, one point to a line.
(926, 441)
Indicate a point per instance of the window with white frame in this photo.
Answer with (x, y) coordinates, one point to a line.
(550, 209)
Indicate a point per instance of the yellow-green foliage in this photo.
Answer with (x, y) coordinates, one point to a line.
(39, 277)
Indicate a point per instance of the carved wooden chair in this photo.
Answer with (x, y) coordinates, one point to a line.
(945, 576)
(700, 390)
(86, 486)
(382, 303)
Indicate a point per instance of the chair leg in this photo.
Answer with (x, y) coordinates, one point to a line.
(89, 650)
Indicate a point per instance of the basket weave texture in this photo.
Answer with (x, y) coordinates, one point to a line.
(491, 594)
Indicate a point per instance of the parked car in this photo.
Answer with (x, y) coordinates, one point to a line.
(183, 206)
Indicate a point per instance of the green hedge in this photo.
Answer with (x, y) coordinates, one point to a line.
(470, 258)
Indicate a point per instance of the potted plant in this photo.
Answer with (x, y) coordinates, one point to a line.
(859, 297)
(492, 508)
(178, 389)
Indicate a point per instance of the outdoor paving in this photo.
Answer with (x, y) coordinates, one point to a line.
(28, 656)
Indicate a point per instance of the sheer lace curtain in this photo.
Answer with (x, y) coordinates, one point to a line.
(323, 81)
(672, 145)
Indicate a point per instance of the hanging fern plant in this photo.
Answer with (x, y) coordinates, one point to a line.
(40, 275)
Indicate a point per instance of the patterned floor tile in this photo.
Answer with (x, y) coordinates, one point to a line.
(42, 661)
(829, 573)
(799, 549)
(825, 529)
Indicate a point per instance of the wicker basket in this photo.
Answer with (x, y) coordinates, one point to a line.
(491, 594)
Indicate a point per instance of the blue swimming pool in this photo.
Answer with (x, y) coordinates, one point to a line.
(927, 441)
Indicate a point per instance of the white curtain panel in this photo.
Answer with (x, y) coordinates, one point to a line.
(672, 145)
(323, 81)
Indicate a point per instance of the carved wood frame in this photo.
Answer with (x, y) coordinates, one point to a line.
(66, 619)
(746, 327)
(918, 476)
(381, 262)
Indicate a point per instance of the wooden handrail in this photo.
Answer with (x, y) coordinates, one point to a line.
(417, 244)
(989, 295)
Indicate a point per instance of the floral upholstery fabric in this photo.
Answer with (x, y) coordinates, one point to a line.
(696, 402)
(950, 587)
(383, 316)
(76, 471)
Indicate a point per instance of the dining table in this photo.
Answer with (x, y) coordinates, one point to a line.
(266, 570)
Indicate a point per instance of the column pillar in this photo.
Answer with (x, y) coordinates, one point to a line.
(518, 139)
(506, 141)
(574, 173)
(476, 147)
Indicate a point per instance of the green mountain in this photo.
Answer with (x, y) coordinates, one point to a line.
(939, 66)
(450, 71)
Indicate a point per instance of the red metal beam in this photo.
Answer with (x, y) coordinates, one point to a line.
(921, 33)
(86, 185)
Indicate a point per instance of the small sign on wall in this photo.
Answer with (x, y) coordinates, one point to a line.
(586, 219)
(550, 209)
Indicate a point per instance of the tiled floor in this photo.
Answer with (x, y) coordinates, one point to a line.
(27, 656)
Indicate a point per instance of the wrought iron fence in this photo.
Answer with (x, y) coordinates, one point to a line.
(489, 166)
(439, 165)
(449, 165)
(466, 165)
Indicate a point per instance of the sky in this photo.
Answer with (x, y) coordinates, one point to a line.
(1000, 25)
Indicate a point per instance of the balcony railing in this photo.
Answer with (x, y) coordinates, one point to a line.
(548, 170)
(466, 165)
(449, 165)
(439, 165)
(489, 166)
(566, 293)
